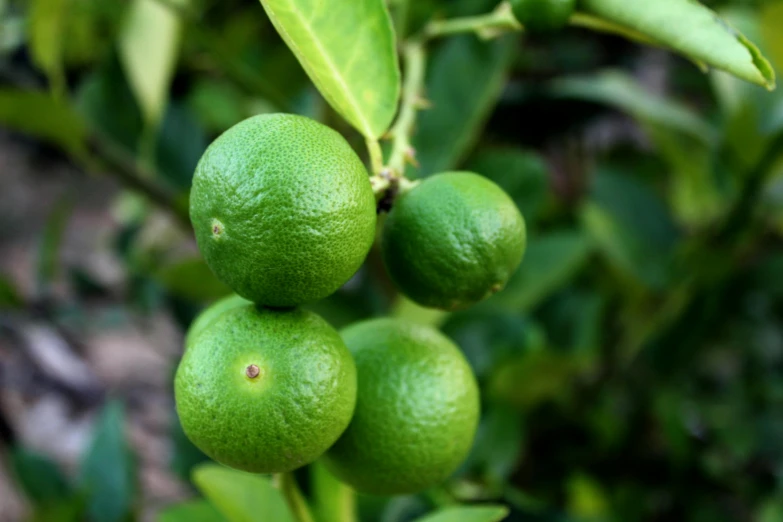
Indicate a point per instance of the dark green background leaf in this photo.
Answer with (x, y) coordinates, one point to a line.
(108, 469)
(41, 479)
(464, 80)
(40, 115)
(550, 262)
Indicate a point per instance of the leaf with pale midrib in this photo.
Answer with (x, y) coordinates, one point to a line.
(348, 50)
(692, 29)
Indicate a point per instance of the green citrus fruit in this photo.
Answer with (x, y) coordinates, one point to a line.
(264, 390)
(417, 408)
(543, 15)
(211, 312)
(453, 240)
(283, 209)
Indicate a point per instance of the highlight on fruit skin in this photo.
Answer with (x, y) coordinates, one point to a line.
(283, 210)
(453, 240)
(417, 409)
(265, 391)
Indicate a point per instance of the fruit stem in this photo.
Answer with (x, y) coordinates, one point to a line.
(499, 21)
(376, 155)
(412, 101)
(381, 184)
(286, 482)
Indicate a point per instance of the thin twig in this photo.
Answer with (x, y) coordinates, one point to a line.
(376, 155)
(128, 172)
(489, 25)
(412, 101)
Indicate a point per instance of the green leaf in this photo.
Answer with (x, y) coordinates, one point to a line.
(521, 173)
(694, 192)
(467, 514)
(9, 295)
(406, 309)
(550, 262)
(770, 19)
(487, 335)
(401, 508)
(684, 140)
(618, 90)
(465, 79)
(40, 115)
(586, 498)
(348, 50)
(181, 142)
(193, 280)
(218, 104)
(499, 442)
(692, 29)
(47, 27)
(748, 114)
(70, 509)
(240, 496)
(770, 511)
(38, 477)
(333, 499)
(635, 204)
(193, 511)
(669, 417)
(626, 251)
(108, 472)
(535, 378)
(631, 226)
(107, 104)
(148, 49)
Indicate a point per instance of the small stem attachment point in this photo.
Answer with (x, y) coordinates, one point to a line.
(380, 184)
(252, 371)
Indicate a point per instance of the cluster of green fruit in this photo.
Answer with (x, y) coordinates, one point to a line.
(284, 213)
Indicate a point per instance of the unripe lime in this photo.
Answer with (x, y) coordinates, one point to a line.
(543, 15)
(283, 209)
(265, 391)
(453, 240)
(417, 409)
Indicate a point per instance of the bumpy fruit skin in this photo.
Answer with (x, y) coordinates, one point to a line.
(297, 404)
(283, 210)
(453, 240)
(210, 313)
(416, 412)
(543, 15)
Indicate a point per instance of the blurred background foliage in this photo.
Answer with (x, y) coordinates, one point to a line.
(631, 371)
